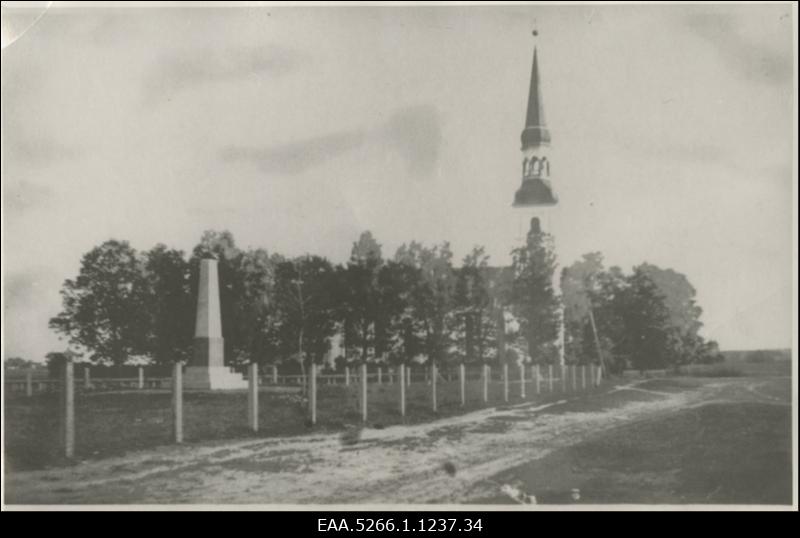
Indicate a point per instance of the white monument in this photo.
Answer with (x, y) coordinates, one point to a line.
(207, 369)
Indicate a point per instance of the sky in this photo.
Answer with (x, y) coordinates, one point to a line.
(296, 128)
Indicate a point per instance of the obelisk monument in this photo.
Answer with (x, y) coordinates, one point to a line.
(207, 368)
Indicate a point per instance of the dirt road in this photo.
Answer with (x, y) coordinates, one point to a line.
(448, 461)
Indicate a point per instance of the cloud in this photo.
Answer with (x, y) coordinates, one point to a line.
(38, 151)
(298, 156)
(23, 289)
(24, 195)
(750, 59)
(195, 67)
(415, 133)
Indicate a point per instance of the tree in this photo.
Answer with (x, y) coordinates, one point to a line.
(473, 308)
(360, 295)
(104, 309)
(305, 314)
(646, 321)
(431, 298)
(533, 298)
(580, 287)
(366, 249)
(18, 364)
(170, 305)
(685, 343)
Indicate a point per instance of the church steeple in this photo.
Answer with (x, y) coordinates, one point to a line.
(535, 189)
(535, 131)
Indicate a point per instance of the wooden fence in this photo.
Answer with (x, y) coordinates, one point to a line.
(523, 381)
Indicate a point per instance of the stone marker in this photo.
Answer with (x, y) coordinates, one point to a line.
(141, 377)
(207, 369)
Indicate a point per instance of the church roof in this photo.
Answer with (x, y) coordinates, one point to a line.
(535, 132)
(534, 192)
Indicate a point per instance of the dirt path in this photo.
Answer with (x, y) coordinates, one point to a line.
(437, 462)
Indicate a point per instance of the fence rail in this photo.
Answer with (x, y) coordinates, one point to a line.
(48, 385)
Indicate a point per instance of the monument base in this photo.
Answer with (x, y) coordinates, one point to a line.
(212, 378)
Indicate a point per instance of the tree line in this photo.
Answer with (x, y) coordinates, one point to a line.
(415, 306)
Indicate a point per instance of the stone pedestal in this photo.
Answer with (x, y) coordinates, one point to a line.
(207, 370)
(212, 378)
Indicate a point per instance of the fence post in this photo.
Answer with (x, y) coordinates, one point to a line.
(29, 383)
(591, 374)
(252, 396)
(574, 372)
(274, 375)
(487, 371)
(563, 378)
(87, 381)
(380, 375)
(536, 373)
(433, 386)
(312, 396)
(408, 377)
(177, 401)
(599, 375)
(402, 390)
(461, 378)
(68, 408)
(550, 378)
(505, 382)
(522, 380)
(583, 376)
(141, 377)
(391, 376)
(346, 376)
(364, 391)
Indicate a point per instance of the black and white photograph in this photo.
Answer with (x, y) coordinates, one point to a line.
(456, 256)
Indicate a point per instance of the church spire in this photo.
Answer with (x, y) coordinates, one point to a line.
(535, 131)
(536, 189)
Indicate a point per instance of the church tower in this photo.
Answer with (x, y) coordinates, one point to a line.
(536, 197)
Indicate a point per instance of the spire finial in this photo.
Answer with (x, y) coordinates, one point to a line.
(535, 31)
